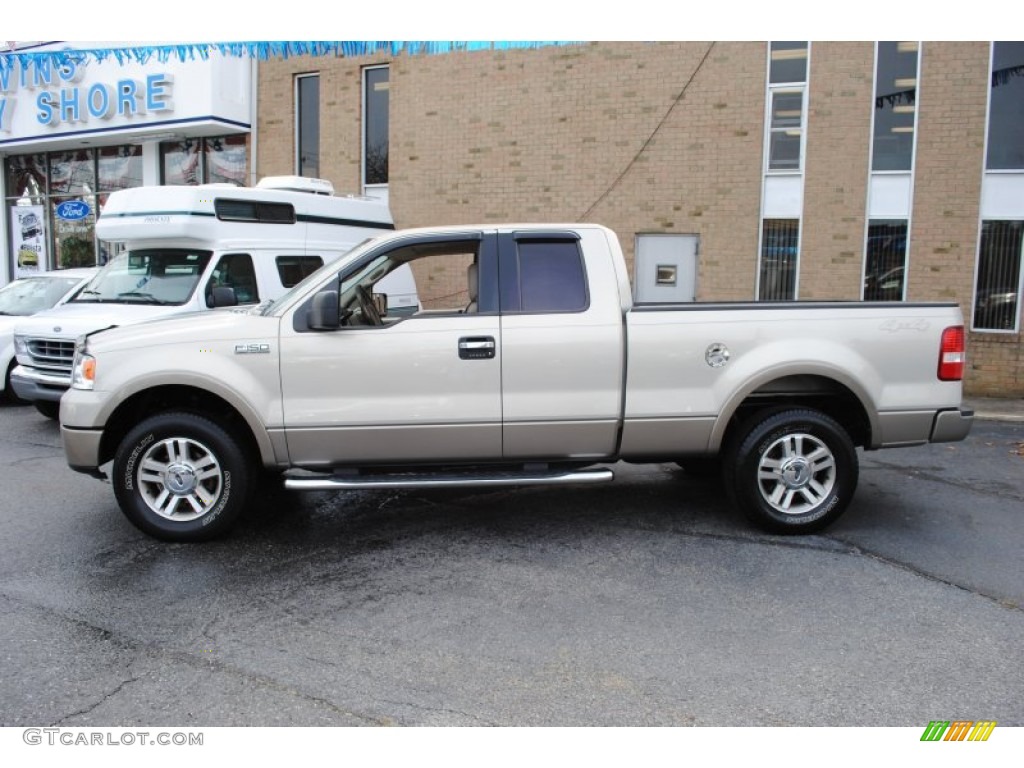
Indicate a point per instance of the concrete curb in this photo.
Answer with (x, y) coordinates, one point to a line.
(996, 409)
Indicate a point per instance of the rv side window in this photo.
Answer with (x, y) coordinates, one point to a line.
(293, 269)
(254, 211)
(235, 271)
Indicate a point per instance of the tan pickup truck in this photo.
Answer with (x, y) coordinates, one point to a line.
(528, 363)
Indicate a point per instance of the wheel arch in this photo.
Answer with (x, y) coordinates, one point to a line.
(829, 393)
(178, 397)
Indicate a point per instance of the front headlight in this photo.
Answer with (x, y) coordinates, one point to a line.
(83, 371)
(20, 346)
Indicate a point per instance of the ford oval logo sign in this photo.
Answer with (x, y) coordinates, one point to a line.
(73, 210)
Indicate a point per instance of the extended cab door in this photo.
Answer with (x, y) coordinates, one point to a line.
(562, 348)
(388, 388)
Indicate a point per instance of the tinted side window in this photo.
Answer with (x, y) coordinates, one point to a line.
(235, 270)
(551, 276)
(292, 269)
(254, 211)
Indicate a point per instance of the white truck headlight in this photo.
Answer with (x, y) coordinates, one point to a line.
(20, 346)
(83, 371)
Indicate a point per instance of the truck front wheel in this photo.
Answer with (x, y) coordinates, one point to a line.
(793, 471)
(181, 477)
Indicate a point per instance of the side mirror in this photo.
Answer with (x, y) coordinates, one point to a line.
(324, 314)
(223, 296)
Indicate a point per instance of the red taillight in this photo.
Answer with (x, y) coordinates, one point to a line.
(951, 354)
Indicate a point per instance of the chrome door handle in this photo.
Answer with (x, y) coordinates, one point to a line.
(476, 347)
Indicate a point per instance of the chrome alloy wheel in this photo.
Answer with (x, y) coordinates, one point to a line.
(179, 479)
(796, 473)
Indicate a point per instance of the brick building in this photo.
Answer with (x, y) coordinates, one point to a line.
(843, 170)
(886, 171)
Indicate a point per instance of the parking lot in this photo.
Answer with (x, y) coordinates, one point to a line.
(643, 602)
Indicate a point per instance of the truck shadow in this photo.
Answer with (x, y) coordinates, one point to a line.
(662, 498)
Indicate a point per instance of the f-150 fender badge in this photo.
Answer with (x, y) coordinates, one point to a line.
(252, 349)
(717, 355)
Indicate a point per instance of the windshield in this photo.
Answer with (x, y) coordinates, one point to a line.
(34, 294)
(147, 276)
(332, 266)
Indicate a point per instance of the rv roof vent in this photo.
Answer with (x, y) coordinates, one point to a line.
(297, 184)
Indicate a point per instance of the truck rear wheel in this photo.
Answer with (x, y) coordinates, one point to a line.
(181, 477)
(793, 471)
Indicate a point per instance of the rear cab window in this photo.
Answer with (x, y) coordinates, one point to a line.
(542, 273)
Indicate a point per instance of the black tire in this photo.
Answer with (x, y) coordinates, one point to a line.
(181, 477)
(792, 472)
(10, 396)
(48, 408)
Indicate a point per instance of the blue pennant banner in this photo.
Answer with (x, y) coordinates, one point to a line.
(262, 50)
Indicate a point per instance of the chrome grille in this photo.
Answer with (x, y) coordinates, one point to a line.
(51, 353)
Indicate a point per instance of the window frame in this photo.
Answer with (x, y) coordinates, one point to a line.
(906, 257)
(796, 259)
(785, 88)
(988, 115)
(510, 276)
(874, 113)
(297, 106)
(364, 129)
(977, 274)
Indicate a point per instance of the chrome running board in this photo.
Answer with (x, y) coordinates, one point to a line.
(446, 480)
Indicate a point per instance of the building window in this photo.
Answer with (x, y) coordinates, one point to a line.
(885, 263)
(786, 130)
(998, 284)
(780, 241)
(220, 159)
(307, 128)
(1006, 108)
(224, 160)
(119, 167)
(895, 106)
(788, 62)
(787, 75)
(376, 84)
(181, 163)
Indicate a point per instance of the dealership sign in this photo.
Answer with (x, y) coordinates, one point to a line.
(57, 96)
(61, 93)
(73, 210)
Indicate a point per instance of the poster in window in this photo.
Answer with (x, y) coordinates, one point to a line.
(28, 239)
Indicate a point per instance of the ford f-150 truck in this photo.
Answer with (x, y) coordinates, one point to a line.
(535, 368)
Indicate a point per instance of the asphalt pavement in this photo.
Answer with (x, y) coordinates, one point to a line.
(646, 602)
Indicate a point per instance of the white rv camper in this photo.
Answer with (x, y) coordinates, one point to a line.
(188, 249)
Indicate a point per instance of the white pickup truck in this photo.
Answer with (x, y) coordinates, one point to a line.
(539, 369)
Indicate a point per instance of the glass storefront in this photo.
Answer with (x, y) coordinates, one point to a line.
(58, 194)
(220, 160)
(53, 198)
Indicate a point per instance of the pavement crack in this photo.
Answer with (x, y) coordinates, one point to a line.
(138, 647)
(442, 710)
(860, 551)
(835, 545)
(25, 459)
(103, 700)
(960, 485)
